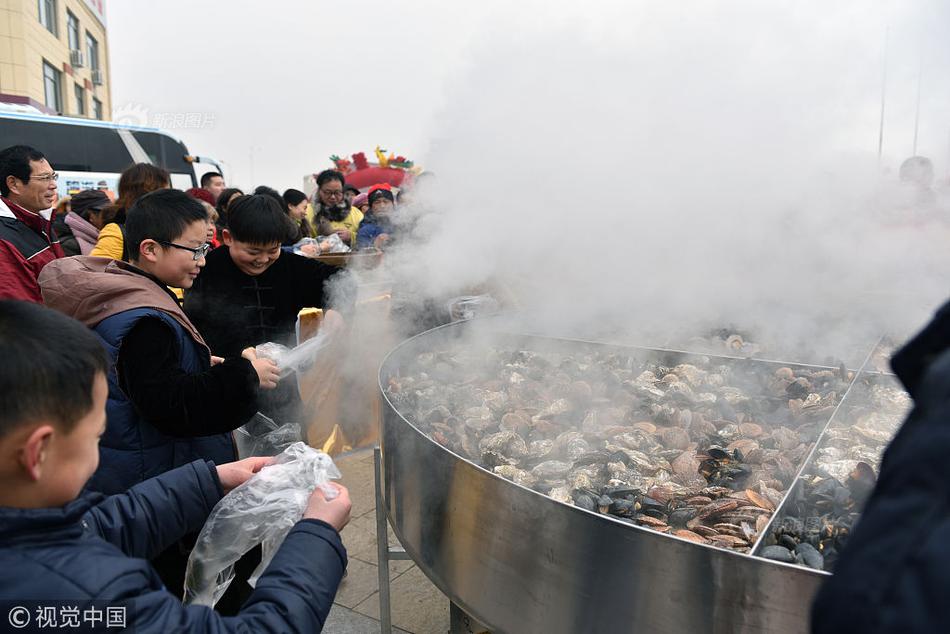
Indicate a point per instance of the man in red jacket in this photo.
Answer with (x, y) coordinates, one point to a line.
(27, 241)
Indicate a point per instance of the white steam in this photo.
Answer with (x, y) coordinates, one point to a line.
(674, 167)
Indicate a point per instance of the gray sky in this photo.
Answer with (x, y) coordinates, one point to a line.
(287, 82)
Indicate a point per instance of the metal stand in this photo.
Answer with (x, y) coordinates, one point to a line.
(384, 553)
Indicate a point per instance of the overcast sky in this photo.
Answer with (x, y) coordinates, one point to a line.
(283, 85)
(277, 87)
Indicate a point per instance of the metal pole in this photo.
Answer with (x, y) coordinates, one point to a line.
(382, 547)
(880, 132)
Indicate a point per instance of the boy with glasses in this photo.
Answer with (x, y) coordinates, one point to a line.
(27, 240)
(170, 401)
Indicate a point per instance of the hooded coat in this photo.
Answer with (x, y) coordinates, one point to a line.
(96, 548)
(894, 572)
(117, 300)
(84, 232)
(27, 244)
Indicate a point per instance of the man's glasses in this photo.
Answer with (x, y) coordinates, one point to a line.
(196, 253)
(332, 194)
(46, 177)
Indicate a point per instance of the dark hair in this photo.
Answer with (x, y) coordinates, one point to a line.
(207, 176)
(49, 364)
(15, 161)
(258, 219)
(224, 199)
(264, 190)
(351, 188)
(294, 197)
(326, 176)
(136, 181)
(162, 215)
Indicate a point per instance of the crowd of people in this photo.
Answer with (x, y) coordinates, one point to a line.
(129, 329)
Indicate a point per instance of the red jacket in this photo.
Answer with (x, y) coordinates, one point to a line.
(27, 244)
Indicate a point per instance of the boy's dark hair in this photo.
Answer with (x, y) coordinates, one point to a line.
(162, 215)
(15, 161)
(207, 176)
(264, 190)
(49, 364)
(257, 219)
(294, 197)
(326, 176)
(224, 199)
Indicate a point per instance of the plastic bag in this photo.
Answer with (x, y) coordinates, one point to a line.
(260, 511)
(294, 359)
(471, 306)
(261, 436)
(312, 247)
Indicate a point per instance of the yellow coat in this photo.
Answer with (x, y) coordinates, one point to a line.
(110, 242)
(351, 223)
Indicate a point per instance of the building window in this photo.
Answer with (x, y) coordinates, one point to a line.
(92, 52)
(80, 100)
(97, 109)
(48, 15)
(72, 31)
(52, 82)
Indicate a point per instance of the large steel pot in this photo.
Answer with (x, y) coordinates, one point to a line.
(521, 562)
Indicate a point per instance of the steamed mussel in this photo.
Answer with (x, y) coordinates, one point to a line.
(697, 447)
(827, 501)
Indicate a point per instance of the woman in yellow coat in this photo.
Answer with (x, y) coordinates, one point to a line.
(331, 213)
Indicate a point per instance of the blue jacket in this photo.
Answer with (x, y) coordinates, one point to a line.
(894, 572)
(133, 450)
(371, 228)
(96, 548)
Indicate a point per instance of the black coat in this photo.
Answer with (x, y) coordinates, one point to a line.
(894, 572)
(233, 310)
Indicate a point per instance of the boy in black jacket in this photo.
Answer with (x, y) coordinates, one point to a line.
(250, 291)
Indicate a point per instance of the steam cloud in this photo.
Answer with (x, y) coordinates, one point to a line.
(650, 171)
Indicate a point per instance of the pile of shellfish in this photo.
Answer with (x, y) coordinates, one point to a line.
(824, 506)
(700, 447)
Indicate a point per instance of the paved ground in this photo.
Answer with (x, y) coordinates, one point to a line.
(417, 606)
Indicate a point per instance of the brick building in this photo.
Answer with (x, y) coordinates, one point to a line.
(54, 56)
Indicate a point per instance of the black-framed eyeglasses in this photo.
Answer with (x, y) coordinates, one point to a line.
(197, 253)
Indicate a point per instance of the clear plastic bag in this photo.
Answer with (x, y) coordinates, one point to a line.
(296, 359)
(312, 247)
(261, 436)
(260, 511)
(471, 306)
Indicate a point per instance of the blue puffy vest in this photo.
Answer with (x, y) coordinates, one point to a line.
(132, 450)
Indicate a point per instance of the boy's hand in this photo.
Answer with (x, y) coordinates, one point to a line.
(234, 474)
(267, 372)
(335, 512)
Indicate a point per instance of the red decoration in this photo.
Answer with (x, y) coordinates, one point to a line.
(359, 160)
